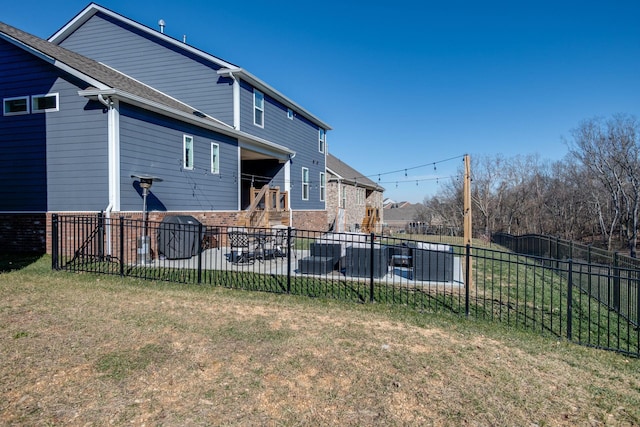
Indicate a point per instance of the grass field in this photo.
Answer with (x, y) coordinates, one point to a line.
(81, 349)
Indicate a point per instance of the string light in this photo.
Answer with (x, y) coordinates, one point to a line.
(258, 179)
(406, 170)
(406, 181)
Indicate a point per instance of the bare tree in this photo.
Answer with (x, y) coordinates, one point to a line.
(487, 177)
(609, 150)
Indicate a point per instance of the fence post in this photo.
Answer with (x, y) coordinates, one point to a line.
(101, 236)
(199, 243)
(571, 249)
(122, 246)
(637, 300)
(289, 259)
(371, 266)
(616, 283)
(467, 279)
(569, 299)
(54, 242)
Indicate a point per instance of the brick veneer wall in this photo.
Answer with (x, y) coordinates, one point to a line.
(310, 220)
(211, 219)
(305, 220)
(23, 233)
(354, 212)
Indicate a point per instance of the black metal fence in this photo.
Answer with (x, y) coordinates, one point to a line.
(622, 271)
(584, 302)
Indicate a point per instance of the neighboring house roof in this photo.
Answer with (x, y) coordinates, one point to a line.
(406, 213)
(390, 204)
(103, 80)
(94, 8)
(346, 173)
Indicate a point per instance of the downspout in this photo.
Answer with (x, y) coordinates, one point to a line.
(113, 159)
(287, 184)
(236, 101)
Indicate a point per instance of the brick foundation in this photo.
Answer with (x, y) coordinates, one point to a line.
(23, 233)
(304, 220)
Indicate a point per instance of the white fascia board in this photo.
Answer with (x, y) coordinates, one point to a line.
(268, 150)
(27, 48)
(75, 23)
(353, 181)
(334, 174)
(60, 65)
(96, 83)
(262, 86)
(244, 139)
(93, 8)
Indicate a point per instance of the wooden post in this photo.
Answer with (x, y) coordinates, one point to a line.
(467, 213)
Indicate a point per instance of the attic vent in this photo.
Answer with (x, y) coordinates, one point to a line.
(161, 24)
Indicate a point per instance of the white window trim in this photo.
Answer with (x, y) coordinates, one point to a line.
(17, 113)
(45, 110)
(305, 183)
(258, 108)
(322, 140)
(215, 164)
(186, 138)
(323, 186)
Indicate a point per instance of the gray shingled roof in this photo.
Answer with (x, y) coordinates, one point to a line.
(95, 70)
(349, 174)
(404, 213)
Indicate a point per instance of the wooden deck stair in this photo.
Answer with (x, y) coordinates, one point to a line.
(371, 220)
(268, 207)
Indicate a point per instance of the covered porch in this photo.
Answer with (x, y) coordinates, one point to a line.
(264, 187)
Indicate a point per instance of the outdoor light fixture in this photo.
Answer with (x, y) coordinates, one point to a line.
(143, 243)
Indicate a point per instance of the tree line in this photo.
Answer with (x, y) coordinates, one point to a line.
(592, 195)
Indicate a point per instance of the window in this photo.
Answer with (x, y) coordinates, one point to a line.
(343, 198)
(187, 152)
(321, 140)
(14, 106)
(258, 108)
(322, 186)
(215, 158)
(289, 113)
(44, 103)
(305, 184)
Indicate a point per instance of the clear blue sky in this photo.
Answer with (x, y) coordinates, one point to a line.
(410, 83)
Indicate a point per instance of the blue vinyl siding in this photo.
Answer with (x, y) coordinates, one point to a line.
(164, 67)
(49, 161)
(77, 153)
(152, 144)
(298, 134)
(194, 80)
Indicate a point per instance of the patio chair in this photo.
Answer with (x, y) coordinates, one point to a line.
(280, 242)
(240, 245)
